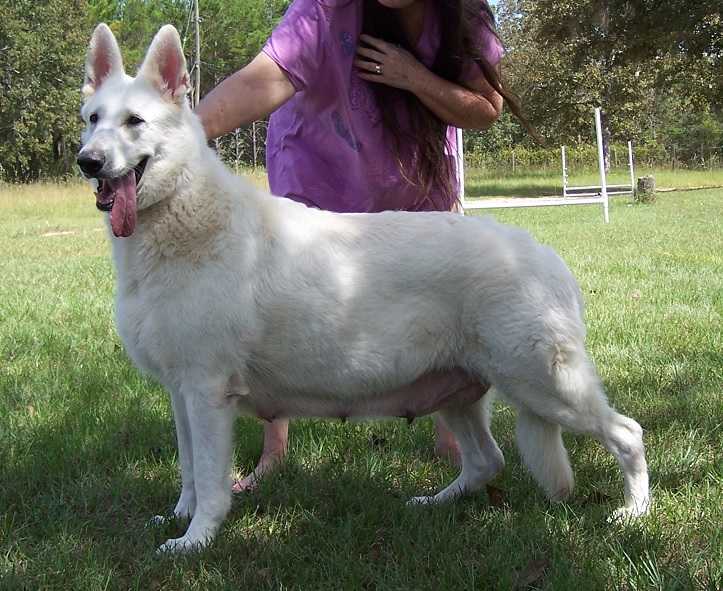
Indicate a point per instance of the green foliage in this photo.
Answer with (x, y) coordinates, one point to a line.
(134, 22)
(42, 51)
(42, 45)
(232, 33)
(640, 60)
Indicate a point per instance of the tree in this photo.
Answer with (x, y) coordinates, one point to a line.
(41, 68)
(42, 51)
(567, 56)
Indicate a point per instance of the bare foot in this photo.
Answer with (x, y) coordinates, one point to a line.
(445, 446)
(276, 440)
(266, 464)
(448, 452)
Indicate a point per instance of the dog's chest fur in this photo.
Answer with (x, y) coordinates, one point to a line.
(167, 273)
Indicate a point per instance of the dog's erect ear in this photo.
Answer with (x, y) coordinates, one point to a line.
(165, 65)
(103, 59)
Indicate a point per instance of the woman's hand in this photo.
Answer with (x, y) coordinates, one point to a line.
(386, 63)
(472, 105)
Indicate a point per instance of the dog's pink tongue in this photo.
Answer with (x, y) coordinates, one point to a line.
(123, 214)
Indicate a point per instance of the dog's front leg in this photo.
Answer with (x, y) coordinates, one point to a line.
(210, 415)
(186, 505)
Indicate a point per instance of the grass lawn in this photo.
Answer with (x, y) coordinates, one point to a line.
(87, 448)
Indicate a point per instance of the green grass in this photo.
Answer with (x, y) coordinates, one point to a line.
(87, 449)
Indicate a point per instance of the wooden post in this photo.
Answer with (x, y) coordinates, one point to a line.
(630, 165)
(645, 191)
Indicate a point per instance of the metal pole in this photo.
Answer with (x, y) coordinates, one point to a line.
(630, 164)
(460, 166)
(601, 164)
(253, 140)
(564, 172)
(235, 137)
(197, 64)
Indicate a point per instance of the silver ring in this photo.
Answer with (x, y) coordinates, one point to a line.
(378, 69)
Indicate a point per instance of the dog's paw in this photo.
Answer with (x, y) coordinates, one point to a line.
(182, 545)
(629, 513)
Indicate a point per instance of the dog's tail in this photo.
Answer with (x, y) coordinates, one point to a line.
(543, 452)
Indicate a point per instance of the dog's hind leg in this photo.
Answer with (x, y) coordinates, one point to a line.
(571, 395)
(540, 443)
(481, 457)
(210, 416)
(623, 437)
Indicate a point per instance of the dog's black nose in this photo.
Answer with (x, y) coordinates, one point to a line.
(91, 163)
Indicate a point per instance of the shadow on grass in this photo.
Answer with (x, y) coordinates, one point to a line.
(483, 189)
(85, 481)
(87, 471)
(106, 461)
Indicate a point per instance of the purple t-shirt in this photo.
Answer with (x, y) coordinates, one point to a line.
(326, 146)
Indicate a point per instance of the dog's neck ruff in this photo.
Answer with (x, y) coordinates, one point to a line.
(182, 222)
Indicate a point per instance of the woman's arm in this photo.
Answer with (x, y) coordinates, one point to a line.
(250, 94)
(474, 106)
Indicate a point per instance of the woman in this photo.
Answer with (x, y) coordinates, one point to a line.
(363, 94)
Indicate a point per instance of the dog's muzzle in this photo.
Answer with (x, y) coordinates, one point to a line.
(91, 163)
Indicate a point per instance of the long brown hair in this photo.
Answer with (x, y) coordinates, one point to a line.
(460, 21)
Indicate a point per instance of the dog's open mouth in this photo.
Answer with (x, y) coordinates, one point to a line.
(118, 196)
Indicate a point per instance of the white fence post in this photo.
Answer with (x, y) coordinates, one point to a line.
(459, 166)
(630, 164)
(601, 164)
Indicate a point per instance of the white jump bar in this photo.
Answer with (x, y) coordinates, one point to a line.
(598, 187)
(532, 202)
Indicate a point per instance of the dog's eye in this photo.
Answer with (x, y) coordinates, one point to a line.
(134, 120)
(93, 118)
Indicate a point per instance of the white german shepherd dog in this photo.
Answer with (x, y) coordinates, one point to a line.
(238, 301)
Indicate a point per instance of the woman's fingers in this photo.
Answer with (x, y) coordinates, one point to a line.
(372, 54)
(369, 77)
(367, 66)
(374, 42)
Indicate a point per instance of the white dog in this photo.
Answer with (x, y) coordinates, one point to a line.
(239, 301)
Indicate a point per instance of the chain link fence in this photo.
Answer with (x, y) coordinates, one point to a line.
(520, 159)
(246, 148)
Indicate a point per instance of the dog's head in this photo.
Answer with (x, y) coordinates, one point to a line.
(133, 125)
